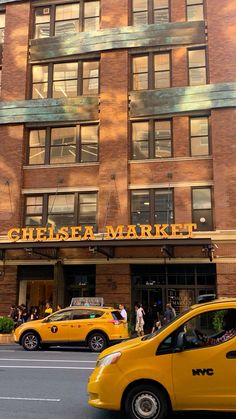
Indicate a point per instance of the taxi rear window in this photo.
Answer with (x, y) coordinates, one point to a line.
(86, 314)
(116, 315)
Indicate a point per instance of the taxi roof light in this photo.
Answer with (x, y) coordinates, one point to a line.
(205, 298)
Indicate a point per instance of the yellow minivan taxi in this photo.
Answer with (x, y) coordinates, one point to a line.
(95, 327)
(190, 364)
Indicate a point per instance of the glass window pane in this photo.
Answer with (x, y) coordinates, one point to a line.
(88, 208)
(140, 81)
(89, 134)
(40, 91)
(161, 16)
(140, 18)
(34, 205)
(69, 26)
(65, 71)
(42, 30)
(37, 155)
(162, 129)
(61, 203)
(90, 69)
(42, 22)
(91, 24)
(40, 73)
(139, 5)
(89, 143)
(197, 76)
(199, 146)
(199, 126)
(61, 136)
(58, 221)
(197, 58)
(163, 148)
(195, 13)
(202, 198)
(37, 138)
(67, 11)
(2, 20)
(91, 8)
(163, 200)
(33, 221)
(162, 80)
(140, 64)
(67, 88)
(162, 62)
(140, 201)
(161, 4)
(140, 134)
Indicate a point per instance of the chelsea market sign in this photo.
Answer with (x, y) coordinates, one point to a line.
(120, 232)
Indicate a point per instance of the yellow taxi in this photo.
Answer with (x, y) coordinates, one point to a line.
(189, 364)
(95, 327)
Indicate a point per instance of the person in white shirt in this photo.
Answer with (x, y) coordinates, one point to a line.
(123, 312)
(139, 320)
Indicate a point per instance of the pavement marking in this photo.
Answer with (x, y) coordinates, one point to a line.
(45, 360)
(30, 399)
(44, 367)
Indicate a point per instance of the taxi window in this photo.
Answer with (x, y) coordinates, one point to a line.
(86, 314)
(116, 315)
(59, 316)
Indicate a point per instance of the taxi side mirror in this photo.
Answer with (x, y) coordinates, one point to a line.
(179, 347)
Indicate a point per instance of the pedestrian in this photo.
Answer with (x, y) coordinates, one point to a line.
(169, 314)
(13, 314)
(25, 313)
(139, 320)
(156, 325)
(59, 307)
(48, 309)
(123, 312)
(34, 313)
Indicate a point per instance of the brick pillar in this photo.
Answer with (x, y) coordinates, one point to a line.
(179, 67)
(178, 10)
(181, 136)
(8, 288)
(113, 283)
(226, 279)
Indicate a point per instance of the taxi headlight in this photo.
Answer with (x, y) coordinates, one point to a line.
(109, 359)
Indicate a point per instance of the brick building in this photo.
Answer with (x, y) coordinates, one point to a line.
(117, 113)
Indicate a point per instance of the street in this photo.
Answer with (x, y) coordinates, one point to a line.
(52, 384)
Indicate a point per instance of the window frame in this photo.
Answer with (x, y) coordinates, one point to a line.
(50, 79)
(52, 16)
(190, 68)
(151, 142)
(48, 145)
(211, 222)
(197, 3)
(151, 70)
(150, 13)
(45, 210)
(199, 136)
(152, 209)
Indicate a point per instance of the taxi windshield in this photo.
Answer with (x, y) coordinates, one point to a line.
(152, 335)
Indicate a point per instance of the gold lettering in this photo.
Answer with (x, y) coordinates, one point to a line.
(131, 233)
(176, 230)
(190, 227)
(28, 234)
(146, 231)
(163, 233)
(63, 233)
(75, 233)
(115, 234)
(88, 234)
(14, 234)
(40, 234)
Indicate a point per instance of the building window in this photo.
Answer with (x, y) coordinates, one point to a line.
(60, 145)
(65, 80)
(197, 67)
(151, 71)
(202, 208)
(58, 210)
(195, 10)
(151, 139)
(199, 136)
(154, 206)
(150, 11)
(69, 18)
(2, 27)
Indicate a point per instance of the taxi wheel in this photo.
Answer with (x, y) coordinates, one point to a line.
(146, 402)
(97, 342)
(30, 342)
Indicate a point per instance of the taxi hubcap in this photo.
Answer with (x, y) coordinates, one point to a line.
(31, 341)
(146, 406)
(97, 343)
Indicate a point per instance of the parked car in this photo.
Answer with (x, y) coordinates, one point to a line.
(95, 327)
(189, 364)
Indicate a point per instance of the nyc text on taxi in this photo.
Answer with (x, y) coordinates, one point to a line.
(190, 364)
(95, 327)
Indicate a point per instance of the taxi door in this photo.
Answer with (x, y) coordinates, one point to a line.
(56, 327)
(204, 376)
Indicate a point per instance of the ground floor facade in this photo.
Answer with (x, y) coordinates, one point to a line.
(152, 275)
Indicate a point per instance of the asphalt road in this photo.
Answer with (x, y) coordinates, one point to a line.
(52, 385)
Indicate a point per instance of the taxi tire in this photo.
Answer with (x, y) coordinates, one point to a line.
(31, 341)
(154, 398)
(97, 342)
